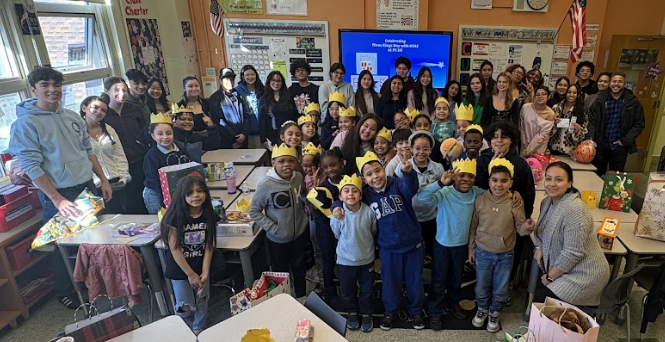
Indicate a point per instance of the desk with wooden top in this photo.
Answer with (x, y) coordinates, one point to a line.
(242, 171)
(575, 165)
(237, 156)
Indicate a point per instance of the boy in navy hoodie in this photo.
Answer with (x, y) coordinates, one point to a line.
(399, 236)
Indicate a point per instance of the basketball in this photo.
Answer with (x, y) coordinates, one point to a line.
(584, 153)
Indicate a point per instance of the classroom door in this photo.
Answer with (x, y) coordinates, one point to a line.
(642, 58)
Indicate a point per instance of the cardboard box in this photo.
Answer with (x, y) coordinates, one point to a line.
(608, 232)
(237, 229)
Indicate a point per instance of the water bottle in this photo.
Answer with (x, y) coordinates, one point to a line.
(230, 173)
(244, 188)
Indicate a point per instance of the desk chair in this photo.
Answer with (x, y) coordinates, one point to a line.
(646, 279)
(317, 306)
(614, 298)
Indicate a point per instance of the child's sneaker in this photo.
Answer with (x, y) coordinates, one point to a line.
(435, 323)
(493, 324)
(418, 322)
(455, 309)
(353, 323)
(479, 319)
(367, 323)
(387, 321)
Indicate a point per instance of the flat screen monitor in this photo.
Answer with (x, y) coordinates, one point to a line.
(377, 50)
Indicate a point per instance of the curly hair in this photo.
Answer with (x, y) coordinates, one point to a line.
(508, 129)
(299, 63)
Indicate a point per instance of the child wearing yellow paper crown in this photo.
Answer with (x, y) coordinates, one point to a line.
(314, 110)
(165, 152)
(278, 208)
(383, 146)
(355, 253)
(464, 118)
(399, 237)
(308, 129)
(491, 242)
(330, 125)
(442, 128)
(347, 120)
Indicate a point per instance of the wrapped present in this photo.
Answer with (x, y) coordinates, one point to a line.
(607, 232)
(617, 191)
(269, 285)
(59, 227)
(651, 221)
(545, 159)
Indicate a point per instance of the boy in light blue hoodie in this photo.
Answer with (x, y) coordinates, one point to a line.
(355, 253)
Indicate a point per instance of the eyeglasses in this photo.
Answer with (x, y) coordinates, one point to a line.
(338, 73)
(300, 70)
(426, 149)
(518, 72)
(276, 81)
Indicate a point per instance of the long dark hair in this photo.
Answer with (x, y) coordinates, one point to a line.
(556, 98)
(268, 99)
(162, 98)
(428, 90)
(569, 171)
(470, 96)
(104, 99)
(361, 105)
(387, 93)
(458, 97)
(578, 106)
(177, 214)
(352, 147)
(259, 88)
(184, 88)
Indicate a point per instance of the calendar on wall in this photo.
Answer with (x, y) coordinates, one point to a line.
(273, 44)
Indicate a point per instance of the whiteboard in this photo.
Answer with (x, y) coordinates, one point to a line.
(273, 44)
(502, 50)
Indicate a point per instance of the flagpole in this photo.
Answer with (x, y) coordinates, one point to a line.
(564, 19)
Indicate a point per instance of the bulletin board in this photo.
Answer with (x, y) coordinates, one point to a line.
(504, 46)
(273, 44)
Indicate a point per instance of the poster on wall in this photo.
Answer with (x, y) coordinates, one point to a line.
(242, 6)
(561, 51)
(397, 15)
(146, 48)
(287, 7)
(27, 18)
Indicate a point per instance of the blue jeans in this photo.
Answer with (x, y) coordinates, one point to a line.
(349, 278)
(492, 279)
(446, 276)
(153, 200)
(400, 268)
(185, 295)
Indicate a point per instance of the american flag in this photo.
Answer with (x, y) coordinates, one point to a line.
(577, 14)
(216, 12)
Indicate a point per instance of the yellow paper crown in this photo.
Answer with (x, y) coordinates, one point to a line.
(411, 113)
(283, 150)
(160, 118)
(312, 149)
(368, 157)
(385, 134)
(337, 97)
(441, 99)
(348, 112)
(465, 165)
(311, 107)
(474, 126)
(353, 180)
(317, 196)
(305, 119)
(182, 109)
(463, 112)
(243, 205)
(502, 162)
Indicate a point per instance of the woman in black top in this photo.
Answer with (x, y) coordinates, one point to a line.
(501, 105)
(275, 108)
(191, 98)
(486, 70)
(391, 101)
(559, 93)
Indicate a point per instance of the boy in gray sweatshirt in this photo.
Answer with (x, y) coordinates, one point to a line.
(278, 208)
(355, 252)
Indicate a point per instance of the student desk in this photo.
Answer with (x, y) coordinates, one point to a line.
(638, 246)
(278, 314)
(256, 176)
(101, 235)
(237, 156)
(627, 219)
(616, 254)
(170, 328)
(582, 180)
(242, 171)
(575, 165)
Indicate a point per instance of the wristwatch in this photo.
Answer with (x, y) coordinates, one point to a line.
(549, 279)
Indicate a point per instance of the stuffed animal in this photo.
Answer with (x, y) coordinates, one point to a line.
(451, 149)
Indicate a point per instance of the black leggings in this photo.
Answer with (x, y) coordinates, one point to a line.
(290, 256)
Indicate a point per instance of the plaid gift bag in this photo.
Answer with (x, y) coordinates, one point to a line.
(102, 326)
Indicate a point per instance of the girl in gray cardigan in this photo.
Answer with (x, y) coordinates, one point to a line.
(567, 250)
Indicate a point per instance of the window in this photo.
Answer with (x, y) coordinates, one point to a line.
(73, 94)
(8, 104)
(8, 67)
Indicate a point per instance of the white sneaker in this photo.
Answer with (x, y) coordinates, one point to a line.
(479, 319)
(493, 324)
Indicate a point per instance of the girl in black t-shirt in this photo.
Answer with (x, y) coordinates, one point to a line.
(188, 228)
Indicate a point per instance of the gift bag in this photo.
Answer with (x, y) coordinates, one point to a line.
(100, 327)
(617, 192)
(544, 328)
(545, 159)
(651, 221)
(169, 176)
(269, 285)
